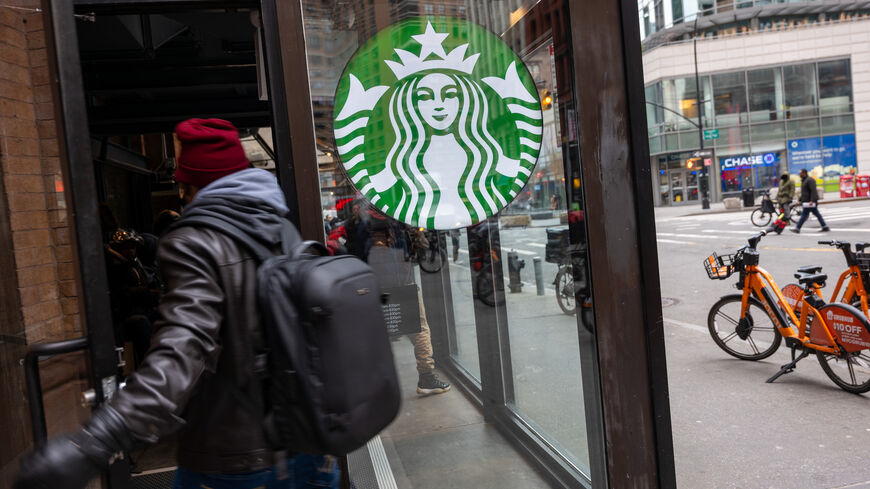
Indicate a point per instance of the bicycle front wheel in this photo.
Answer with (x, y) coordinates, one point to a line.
(760, 218)
(851, 371)
(753, 337)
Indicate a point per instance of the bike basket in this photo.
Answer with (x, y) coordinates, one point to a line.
(863, 260)
(767, 206)
(720, 267)
(557, 245)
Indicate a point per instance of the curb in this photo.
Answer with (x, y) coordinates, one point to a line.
(744, 209)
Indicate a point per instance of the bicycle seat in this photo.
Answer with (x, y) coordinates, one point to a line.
(808, 269)
(860, 245)
(811, 278)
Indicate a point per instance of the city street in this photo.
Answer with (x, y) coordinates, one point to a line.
(731, 429)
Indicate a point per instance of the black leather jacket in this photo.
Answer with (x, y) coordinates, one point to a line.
(205, 343)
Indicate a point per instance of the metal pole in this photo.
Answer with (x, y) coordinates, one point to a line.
(539, 275)
(705, 185)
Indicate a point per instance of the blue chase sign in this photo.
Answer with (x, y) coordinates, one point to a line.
(744, 161)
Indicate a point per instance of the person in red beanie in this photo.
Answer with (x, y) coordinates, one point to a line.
(198, 376)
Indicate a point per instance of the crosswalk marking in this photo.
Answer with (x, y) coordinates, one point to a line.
(672, 241)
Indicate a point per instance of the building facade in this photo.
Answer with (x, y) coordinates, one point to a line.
(783, 87)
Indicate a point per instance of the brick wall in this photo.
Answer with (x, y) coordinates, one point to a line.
(42, 281)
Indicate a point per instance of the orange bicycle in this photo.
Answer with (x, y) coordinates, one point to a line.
(858, 275)
(751, 325)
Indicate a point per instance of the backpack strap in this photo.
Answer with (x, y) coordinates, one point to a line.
(227, 228)
(304, 246)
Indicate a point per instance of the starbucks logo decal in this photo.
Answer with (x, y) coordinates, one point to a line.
(437, 122)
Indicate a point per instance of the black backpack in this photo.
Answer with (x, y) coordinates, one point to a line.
(331, 384)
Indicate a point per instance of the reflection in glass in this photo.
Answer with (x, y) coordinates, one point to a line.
(464, 275)
(835, 87)
(765, 94)
(803, 128)
(729, 95)
(800, 90)
(838, 124)
(463, 344)
(771, 131)
(680, 96)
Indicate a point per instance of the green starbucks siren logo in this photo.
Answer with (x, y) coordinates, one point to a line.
(437, 122)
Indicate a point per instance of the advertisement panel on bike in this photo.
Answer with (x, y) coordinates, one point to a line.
(850, 328)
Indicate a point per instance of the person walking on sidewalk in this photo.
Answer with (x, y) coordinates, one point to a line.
(785, 194)
(810, 202)
(201, 361)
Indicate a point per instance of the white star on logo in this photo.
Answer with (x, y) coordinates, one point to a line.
(431, 42)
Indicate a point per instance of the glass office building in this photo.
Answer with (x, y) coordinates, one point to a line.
(746, 91)
(769, 121)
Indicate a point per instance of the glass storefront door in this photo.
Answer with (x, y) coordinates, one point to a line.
(691, 179)
(463, 109)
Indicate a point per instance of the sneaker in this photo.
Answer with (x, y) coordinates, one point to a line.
(429, 384)
(826, 229)
(795, 230)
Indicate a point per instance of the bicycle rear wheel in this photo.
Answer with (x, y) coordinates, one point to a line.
(850, 372)
(760, 218)
(565, 293)
(752, 338)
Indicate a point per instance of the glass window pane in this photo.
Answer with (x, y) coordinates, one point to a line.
(680, 96)
(463, 331)
(729, 96)
(655, 144)
(689, 140)
(800, 90)
(732, 138)
(762, 132)
(463, 277)
(838, 124)
(672, 142)
(765, 94)
(835, 87)
(803, 128)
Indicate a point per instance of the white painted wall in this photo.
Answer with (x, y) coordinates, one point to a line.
(848, 39)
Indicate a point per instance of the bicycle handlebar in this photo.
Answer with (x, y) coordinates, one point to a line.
(843, 246)
(835, 243)
(753, 241)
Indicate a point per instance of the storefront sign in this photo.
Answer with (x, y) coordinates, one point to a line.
(737, 161)
(829, 156)
(437, 122)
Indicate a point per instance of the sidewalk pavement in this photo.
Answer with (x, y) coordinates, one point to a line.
(719, 207)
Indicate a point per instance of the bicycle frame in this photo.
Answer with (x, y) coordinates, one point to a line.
(759, 282)
(854, 286)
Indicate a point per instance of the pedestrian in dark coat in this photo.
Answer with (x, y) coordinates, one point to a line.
(809, 201)
(199, 377)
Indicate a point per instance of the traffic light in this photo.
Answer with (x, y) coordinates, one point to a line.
(546, 99)
(693, 163)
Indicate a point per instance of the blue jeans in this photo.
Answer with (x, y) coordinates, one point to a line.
(805, 214)
(303, 472)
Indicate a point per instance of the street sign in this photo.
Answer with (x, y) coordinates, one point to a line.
(708, 161)
(711, 134)
(702, 154)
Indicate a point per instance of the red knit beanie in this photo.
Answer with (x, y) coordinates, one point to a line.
(210, 149)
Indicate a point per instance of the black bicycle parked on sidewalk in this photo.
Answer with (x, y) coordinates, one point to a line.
(763, 214)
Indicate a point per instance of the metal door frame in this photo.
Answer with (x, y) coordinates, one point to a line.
(78, 173)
